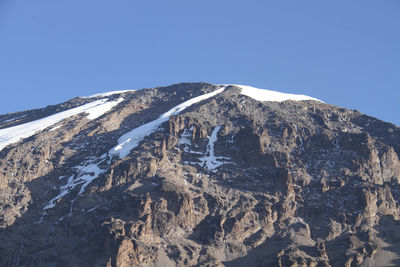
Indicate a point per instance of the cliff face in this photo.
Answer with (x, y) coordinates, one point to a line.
(224, 181)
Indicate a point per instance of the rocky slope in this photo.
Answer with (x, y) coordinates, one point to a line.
(140, 178)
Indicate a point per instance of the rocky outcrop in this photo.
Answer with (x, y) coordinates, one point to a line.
(230, 181)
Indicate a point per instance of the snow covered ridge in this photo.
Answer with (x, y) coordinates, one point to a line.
(94, 109)
(108, 93)
(268, 95)
(130, 140)
(255, 93)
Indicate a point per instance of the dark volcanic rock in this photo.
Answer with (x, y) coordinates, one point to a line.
(230, 181)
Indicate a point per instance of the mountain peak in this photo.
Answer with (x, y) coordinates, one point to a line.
(269, 95)
(201, 175)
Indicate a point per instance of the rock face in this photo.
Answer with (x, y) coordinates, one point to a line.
(228, 181)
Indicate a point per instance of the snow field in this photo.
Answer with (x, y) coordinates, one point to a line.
(268, 95)
(94, 109)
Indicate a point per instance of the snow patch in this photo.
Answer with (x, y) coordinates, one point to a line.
(99, 110)
(65, 189)
(210, 161)
(109, 93)
(186, 142)
(131, 140)
(14, 134)
(268, 95)
(185, 137)
(85, 175)
(55, 128)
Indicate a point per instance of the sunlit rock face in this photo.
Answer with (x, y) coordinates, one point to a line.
(196, 174)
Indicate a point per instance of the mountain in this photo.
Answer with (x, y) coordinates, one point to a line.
(196, 174)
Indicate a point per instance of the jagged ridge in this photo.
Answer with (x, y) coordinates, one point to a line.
(225, 181)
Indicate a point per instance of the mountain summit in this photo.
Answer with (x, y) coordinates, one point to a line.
(196, 174)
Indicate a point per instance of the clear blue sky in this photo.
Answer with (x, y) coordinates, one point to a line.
(346, 53)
